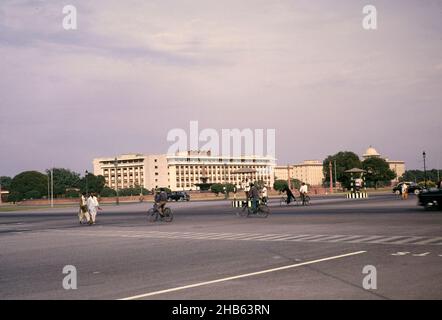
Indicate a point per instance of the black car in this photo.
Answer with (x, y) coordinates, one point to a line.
(412, 188)
(178, 195)
(431, 198)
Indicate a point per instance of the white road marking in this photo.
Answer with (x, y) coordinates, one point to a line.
(400, 253)
(429, 240)
(199, 284)
(421, 254)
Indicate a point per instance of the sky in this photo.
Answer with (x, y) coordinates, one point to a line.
(134, 70)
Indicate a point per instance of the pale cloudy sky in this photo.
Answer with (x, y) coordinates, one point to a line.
(136, 69)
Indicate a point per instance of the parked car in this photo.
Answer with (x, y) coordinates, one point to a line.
(178, 195)
(431, 198)
(412, 188)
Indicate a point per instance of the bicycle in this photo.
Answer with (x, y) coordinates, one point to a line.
(283, 201)
(153, 214)
(261, 210)
(305, 200)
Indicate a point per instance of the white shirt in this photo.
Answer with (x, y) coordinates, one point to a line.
(404, 187)
(303, 189)
(264, 192)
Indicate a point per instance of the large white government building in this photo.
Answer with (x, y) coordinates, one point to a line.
(182, 170)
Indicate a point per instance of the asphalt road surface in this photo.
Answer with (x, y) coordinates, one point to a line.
(208, 252)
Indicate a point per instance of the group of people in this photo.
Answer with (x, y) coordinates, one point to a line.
(303, 191)
(88, 208)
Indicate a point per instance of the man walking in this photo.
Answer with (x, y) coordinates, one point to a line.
(404, 190)
(83, 213)
(93, 206)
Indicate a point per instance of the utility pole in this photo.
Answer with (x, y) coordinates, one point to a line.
(52, 187)
(86, 178)
(336, 177)
(331, 176)
(424, 154)
(0, 190)
(116, 180)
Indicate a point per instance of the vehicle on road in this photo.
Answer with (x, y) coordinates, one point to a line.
(261, 210)
(178, 195)
(153, 214)
(430, 199)
(413, 187)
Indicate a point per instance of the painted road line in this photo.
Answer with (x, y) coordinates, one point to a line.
(199, 284)
(409, 239)
(428, 241)
(345, 238)
(327, 238)
(385, 239)
(367, 239)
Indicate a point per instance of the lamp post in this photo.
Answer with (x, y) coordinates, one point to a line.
(86, 178)
(424, 154)
(116, 179)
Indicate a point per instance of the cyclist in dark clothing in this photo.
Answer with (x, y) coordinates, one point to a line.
(290, 195)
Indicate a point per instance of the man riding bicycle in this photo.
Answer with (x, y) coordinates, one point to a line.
(290, 194)
(303, 192)
(254, 196)
(160, 201)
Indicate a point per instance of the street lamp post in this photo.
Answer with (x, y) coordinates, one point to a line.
(86, 178)
(116, 179)
(424, 154)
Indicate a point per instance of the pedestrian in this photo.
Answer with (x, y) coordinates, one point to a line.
(246, 189)
(264, 194)
(254, 196)
(440, 184)
(83, 213)
(404, 190)
(93, 206)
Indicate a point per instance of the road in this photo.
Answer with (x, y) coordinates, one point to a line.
(208, 252)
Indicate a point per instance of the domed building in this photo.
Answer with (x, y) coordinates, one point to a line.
(371, 153)
(398, 166)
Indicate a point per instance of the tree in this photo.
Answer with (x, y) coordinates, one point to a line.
(27, 181)
(295, 183)
(217, 188)
(5, 182)
(280, 185)
(92, 183)
(418, 175)
(378, 171)
(345, 160)
(64, 179)
(108, 192)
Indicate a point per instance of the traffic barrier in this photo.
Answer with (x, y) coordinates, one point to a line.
(357, 195)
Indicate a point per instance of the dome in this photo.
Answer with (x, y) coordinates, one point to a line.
(371, 152)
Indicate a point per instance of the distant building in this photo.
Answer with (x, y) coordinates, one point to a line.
(309, 171)
(397, 166)
(183, 170)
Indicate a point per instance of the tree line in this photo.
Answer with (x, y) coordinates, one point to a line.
(66, 184)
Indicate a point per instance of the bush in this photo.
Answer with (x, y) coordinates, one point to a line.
(217, 188)
(280, 185)
(108, 192)
(72, 194)
(430, 184)
(33, 194)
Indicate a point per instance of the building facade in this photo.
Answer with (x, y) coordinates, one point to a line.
(182, 170)
(397, 166)
(309, 171)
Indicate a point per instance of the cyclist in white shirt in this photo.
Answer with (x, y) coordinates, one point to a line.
(303, 191)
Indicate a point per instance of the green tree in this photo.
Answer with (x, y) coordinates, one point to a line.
(92, 183)
(5, 182)
(64, 179)
(108, 192)
(28, 181)
(280, 185)
(217, 188)
(418, 175)
(378, 171)
(295, 183)
(345, 160)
